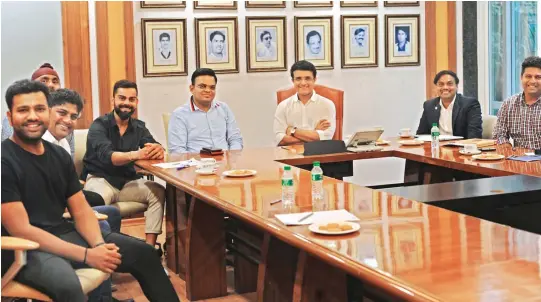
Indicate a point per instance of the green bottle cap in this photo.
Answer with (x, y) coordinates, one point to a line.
(316, 164)
(287, 168)
(434, 124)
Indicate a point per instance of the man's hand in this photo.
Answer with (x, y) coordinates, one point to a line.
(104, 257)
(323, 125)
(154, 151)
(288, 130)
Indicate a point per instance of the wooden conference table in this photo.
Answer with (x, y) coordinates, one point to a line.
(405, 250)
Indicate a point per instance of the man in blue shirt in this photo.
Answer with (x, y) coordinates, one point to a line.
(203, 122)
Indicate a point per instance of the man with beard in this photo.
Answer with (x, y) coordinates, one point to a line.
(48, 76)
(38, 182)
(115, 141)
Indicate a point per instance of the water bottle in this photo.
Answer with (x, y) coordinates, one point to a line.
(435, 144)
(288, 190)
(317, 183)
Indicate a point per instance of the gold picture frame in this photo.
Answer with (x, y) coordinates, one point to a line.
(358, 3)
(265, 4)
(314, 41)
(402, 40)
(266, 40)
(298, 4)
(400, 3)
(359, 35)
(218, 4)
(162, 4)
(216, 45)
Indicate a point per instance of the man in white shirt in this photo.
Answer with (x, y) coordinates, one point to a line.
(305, 116)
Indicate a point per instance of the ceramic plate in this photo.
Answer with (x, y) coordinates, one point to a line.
(315, 227)
(488, 156)
(411, 142)
(240, 173)
(382, 142)
(205, 172)
(469, 153)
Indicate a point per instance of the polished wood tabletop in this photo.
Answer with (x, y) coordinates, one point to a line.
(413, 250)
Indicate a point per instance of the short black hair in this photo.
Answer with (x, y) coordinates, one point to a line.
(124, 84)
(358, 30)
(310, 34)
(25, 87)
(165, 35)
(217, 32)
(63, 96)
(533, 61)
(265, 32)
(303, 65)
(203, 72)
(444, 72)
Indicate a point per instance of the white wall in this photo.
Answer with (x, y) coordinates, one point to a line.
(390, 97)
(31, 35)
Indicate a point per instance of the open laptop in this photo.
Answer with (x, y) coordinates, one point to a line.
(364, 140)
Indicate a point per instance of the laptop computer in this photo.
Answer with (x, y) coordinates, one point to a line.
(364, 141)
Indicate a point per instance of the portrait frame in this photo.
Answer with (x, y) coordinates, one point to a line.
(265, 4)
(257, 26)
(162, 4)
(304, 27)
(400, 3)
(406, 27)
(407, 246)
(205, 56)
(358, 3)
(352, 55)
(300, 4)
(403, 207)
(173, 64)
(226, 5)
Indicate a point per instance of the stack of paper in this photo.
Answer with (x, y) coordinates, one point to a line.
(178, 164)
(317, 217)
(443, 137)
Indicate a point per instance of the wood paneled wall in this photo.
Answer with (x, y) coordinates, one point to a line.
(440, 40)
(76, 47)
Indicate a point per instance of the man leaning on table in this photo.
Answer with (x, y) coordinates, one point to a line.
(454, 113)
(203, 122)
(519, 116)
(305, 116)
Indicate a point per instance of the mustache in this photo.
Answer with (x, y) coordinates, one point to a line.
(40, 123)
(125, 106)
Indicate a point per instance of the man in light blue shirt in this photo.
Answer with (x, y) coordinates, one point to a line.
(203, 122)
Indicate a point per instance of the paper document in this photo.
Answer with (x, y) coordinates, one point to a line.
(178, 164)
(428, 138)
(323, 216)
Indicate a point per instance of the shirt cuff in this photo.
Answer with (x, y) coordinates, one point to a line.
(502, 140)
(279, 138)
(322, 135)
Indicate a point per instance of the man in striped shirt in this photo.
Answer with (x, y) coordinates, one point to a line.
(519, 117)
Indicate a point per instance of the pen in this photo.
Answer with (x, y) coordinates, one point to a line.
(304, 218)
(181, 167)
(276, 201)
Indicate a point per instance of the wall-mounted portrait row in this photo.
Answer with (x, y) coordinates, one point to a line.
(217, 43)
(232, 5)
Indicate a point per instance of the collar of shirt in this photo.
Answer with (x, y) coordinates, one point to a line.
(522, 100)
(48, 136)
(313, 98)
(193, 107)
(450, 107)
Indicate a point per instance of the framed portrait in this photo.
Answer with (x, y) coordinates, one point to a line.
(217, 4)
(162, 4)
(359, 41)
(402, 40)
(312, 3)
(266, 41)
(400, 3)
(265, 4)
(347, 3)
(407, 246)
(314, 40)
(164, 47)
(403, 207)
(216, 45)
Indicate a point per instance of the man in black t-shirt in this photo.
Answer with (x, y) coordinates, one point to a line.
(38, 182)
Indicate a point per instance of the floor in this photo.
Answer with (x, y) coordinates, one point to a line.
(127, 286)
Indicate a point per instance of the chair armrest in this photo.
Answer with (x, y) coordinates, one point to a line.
(100, 216)
(141, 171)
(18, 244)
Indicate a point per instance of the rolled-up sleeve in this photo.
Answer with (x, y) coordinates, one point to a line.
(280, 123)
(234, 137)
(501, 130)
(177, 134)
(100, 143)
(331, 117)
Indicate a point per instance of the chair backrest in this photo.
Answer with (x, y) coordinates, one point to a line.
(333, 94)
(80, 136)
(489, 121)
(166, 117)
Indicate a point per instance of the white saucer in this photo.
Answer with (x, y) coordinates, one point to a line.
(461, 151)
(314, 227)
(205, 172)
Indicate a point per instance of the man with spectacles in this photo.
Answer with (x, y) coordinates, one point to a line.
(266, 50)
(203, 122)
(305, 116)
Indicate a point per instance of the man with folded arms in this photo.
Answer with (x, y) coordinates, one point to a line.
(454, 113)
(203, 122)
(38, 182)
(305, 116)
(519, 117)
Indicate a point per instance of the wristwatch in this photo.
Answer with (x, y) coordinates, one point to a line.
(292, 132)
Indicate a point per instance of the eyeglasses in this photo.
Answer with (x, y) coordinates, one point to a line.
(64, 113)
(267, 38)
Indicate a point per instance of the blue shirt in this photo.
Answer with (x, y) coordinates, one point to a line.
(191, 129)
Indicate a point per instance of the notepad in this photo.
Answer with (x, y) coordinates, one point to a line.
(525, 158)
(318, 217)
(177, 164)
(443, 137)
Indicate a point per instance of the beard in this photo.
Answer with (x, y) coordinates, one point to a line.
(123, 115)
(29, 139)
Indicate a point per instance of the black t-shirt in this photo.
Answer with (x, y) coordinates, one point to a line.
(42, 182)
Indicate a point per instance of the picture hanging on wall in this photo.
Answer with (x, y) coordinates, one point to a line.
(217, 4)
(265, 4)
(312, 3)
(216, 44)
(346, 3)
(162, 4)
(164, 47)
(266, 41)
(400, 3)
(402, 35)
(359, 41)
(314, 40)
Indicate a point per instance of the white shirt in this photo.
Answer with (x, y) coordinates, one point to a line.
(292, 112)
(446, 118)
(62, 143)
